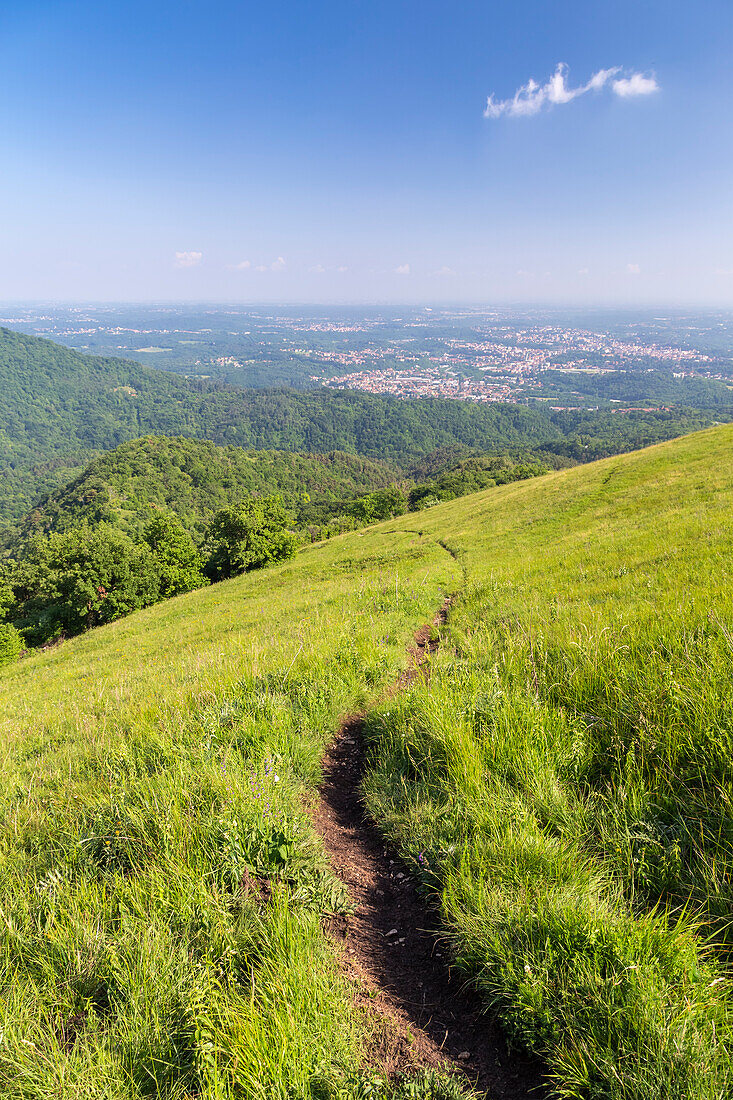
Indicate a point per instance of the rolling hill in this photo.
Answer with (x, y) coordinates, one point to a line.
(559, 785)
(60, 407)
(194, 478)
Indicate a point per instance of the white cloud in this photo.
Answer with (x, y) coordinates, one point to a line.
(584, 271)
(636, 84)
(188, 259)
(633, 269)
(532, 97)
(725, 271)
(403, 269)
(243, 265)
(444, 271)
(342, 269)
(599, 79)
(317, 269)
(276, 265)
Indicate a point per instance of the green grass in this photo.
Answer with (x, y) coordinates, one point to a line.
(564, 778)
(160, 886)
(562, 781)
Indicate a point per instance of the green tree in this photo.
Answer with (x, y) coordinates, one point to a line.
(178, 559)
(247, 536)
(381, 504)
(66, 583)
(7, 596)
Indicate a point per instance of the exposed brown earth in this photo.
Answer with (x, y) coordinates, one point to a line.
(426, 1017)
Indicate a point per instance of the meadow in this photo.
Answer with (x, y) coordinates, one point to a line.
(563, 778)
(161, 889)
(560, 782)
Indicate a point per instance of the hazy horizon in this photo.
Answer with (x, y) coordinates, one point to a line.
(477, 304)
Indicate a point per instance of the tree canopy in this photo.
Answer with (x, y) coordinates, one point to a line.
(247, 536)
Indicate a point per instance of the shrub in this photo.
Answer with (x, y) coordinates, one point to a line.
(11, 644)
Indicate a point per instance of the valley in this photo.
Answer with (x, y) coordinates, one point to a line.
(63, 408)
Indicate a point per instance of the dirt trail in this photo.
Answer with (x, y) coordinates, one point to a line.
(392, 940)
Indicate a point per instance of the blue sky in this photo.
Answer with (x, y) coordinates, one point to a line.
(329, 151)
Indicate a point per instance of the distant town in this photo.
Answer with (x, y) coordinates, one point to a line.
(465, 354)
(508, 366)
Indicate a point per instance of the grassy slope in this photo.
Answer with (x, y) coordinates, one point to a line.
(564, 780)
(139, 797)
(566, 768)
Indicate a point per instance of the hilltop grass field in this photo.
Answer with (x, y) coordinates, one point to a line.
(161, 888)
(560, 781)
(564, 778)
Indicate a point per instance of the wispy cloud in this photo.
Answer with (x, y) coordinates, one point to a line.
(276, 265)
(633, 269)
(243, 265)
(403, 269)
(188, 259)
(317, 269)
(532, 97)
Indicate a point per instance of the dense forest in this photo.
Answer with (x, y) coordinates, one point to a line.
(324, 494)
(60, 407)
(65, 583)
(193, 479)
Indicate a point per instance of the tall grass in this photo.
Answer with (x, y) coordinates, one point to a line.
(564, 779)
(562, 783)
(161, 889)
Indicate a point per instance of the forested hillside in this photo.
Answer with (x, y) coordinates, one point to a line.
(163, 515)
(193, 479)
(643, 387)
(60, 406)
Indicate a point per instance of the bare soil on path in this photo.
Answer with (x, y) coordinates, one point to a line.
(426, 1016)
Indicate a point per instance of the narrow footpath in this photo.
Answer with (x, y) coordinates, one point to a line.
(427, 1017)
